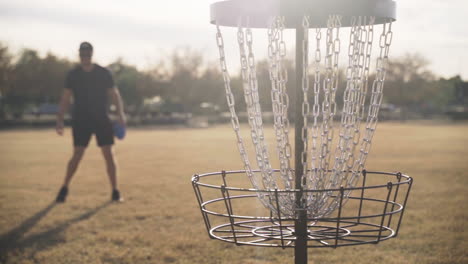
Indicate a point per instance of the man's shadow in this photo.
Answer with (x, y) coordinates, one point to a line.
(13, 240)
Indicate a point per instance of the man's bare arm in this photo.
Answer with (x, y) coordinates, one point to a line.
(63, 108)
(118, 102)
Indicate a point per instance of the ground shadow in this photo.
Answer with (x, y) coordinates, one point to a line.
(16, 233)
(14, 241)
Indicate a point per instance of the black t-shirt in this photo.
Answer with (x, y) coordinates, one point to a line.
(90, 91)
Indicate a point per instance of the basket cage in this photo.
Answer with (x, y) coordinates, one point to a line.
(373, 212)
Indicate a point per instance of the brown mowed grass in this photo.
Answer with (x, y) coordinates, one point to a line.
(160, 222)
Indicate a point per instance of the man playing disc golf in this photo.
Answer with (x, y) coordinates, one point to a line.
(91, 86)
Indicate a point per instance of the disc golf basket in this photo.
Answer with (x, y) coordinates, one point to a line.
(326, 199)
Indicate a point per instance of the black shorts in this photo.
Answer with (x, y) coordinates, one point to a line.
(84, 129)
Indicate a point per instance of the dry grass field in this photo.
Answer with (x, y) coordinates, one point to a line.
(160, 221)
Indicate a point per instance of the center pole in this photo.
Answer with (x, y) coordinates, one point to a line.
(300, 224)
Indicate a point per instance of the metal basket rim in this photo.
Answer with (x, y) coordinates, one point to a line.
(196, 181)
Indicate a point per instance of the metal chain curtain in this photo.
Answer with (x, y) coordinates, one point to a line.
(323, 167)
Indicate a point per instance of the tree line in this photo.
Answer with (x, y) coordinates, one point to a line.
(186, 80)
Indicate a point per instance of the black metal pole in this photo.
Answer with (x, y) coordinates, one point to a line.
(300, 224)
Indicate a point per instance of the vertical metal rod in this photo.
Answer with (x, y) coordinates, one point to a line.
(364, 174)
(394, 199)
(199, 196)
(339, 216)
(404, 205)
(300, 224)
(223, 176)
(279, 217)
(390, 188)
(227, 202)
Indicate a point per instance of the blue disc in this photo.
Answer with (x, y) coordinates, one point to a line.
(119, 130)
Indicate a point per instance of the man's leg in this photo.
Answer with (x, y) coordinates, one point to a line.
(110, 165)
(81, 132)
(105, 140)
(78, 152)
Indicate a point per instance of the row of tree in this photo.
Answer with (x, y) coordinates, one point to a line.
(184, 78)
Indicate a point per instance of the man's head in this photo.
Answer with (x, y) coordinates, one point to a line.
(86, 53)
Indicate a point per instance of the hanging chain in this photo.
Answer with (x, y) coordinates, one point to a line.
(348, 115)
(367, 60)
(376, 99)
(316, 107)
(276, 61)
(334, 81)
(284, 98)
(357, 86)
(284, 102)
(329, 88)
(305, 104)
(268, 178)
(326, 96)
(231, 104)
(250, 85)
(367, 36)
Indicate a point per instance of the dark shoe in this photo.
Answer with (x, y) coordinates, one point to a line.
(116, 196)
(62, 195)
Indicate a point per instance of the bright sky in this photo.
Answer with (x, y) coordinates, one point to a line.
(142, 31)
